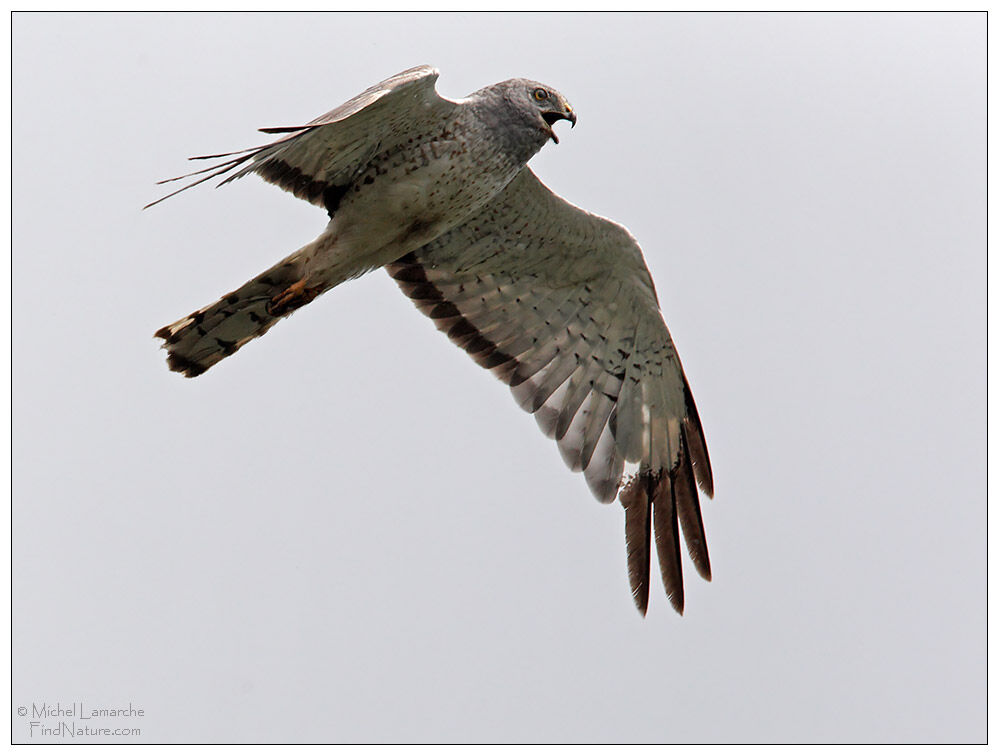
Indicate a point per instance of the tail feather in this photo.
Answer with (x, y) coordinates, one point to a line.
(196, 342)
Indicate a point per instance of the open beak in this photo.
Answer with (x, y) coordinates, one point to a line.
(550, 118)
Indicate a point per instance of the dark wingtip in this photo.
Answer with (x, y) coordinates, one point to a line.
(212, 171)
(667, 536)
(635, 499)
(677, 604)
(689, 509)
(282, 129)
(697, 446)
(641, 602)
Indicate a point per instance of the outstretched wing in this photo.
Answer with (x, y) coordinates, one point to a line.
(318, 161)
(559, 304)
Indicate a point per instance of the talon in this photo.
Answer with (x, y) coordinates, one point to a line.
(295, 296)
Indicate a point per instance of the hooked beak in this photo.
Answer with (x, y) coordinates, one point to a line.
(550, 118)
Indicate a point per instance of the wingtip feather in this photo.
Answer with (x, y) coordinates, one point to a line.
(666, 527)
(689, 510)
(637, 530)
(698, 447)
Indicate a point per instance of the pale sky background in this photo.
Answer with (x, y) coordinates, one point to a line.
(349, 531)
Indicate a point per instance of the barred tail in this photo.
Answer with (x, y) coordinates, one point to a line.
(196, 342)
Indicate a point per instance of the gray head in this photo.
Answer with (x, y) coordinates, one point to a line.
(544, 104)
(525, 108)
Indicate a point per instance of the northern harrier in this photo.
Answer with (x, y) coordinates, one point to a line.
(555, 301)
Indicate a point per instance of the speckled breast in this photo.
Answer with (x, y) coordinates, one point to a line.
(423, 187)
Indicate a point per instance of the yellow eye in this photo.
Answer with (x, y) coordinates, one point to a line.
(540, 94)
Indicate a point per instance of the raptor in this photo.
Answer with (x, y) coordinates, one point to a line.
(555, 301)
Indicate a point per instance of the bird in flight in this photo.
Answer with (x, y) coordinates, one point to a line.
(555, 301)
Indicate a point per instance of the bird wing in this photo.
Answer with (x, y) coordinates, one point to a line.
(560, 305)
(318, 161)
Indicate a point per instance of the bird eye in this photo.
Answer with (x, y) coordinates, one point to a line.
(540, 94)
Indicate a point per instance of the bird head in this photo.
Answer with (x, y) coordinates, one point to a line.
(549, 105)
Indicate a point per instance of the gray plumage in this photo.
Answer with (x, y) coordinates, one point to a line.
(555, 301)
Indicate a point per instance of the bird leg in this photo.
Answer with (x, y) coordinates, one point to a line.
(295, 296)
